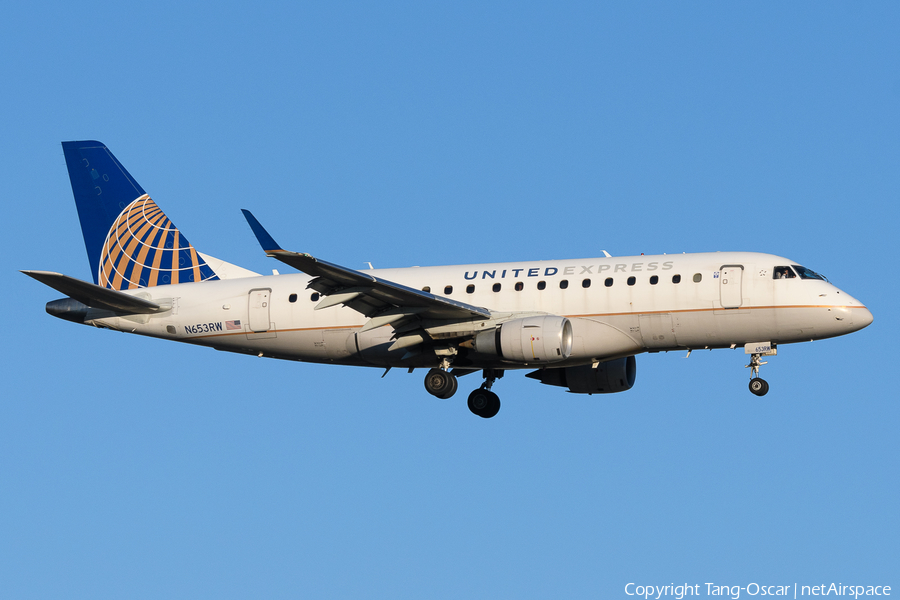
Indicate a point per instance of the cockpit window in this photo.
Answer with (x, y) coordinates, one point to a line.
(808, 273)
(783, 273)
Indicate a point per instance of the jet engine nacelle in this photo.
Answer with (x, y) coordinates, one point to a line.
(606, 378)
(546, 338)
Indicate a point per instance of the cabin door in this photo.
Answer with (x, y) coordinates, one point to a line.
(259, 310)
(730, 282)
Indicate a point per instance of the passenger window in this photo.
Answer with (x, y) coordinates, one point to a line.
(608, 282)
(563, 284)
(314, 297)
(470, 288)
(496, 287)
(676, 278)
(427, 288)
(448, 290)
(654, 280)
(632, 281)
(586, 283)
(783, 273)
(292, 298)
(520, 286)
(542, 285)
(697, 277)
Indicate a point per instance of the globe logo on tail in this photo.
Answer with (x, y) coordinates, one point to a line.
(144, 249)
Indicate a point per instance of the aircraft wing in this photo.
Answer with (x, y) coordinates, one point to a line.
(382, 300)
(94, 295)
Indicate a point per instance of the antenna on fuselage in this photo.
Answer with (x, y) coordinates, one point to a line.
(606, 254)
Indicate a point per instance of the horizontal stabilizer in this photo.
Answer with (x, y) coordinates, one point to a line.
(95, 296)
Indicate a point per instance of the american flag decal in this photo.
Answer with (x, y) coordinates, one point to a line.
(233, 325)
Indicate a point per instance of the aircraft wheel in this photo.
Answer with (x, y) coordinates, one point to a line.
(484, 403)
(440, 383)
(759, 386)
(454, 384)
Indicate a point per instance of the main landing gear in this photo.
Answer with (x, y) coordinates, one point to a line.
(441, 383)
(757, 386)
(483, 402)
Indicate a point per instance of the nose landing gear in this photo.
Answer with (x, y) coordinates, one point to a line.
(758, 386)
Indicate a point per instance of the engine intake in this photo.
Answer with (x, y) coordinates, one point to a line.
(606, 378)
(545, 338)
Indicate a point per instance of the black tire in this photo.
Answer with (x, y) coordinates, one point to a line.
(439, 382)
(759, 386)
(493, 407)
(484, 403)
(454, 385)
(478, 401)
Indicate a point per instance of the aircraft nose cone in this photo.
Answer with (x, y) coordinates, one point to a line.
(863, 318)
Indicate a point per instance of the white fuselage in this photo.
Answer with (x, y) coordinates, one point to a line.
(618, 306)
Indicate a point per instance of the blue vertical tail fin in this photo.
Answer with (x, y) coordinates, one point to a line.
(130, 242)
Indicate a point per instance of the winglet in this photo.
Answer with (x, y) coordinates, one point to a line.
(265, 240)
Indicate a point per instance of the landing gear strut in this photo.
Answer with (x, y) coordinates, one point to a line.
(757, 386)
(483, 402)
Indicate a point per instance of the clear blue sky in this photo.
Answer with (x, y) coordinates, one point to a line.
(441, 133)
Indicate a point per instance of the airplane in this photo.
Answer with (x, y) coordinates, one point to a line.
(577, 324)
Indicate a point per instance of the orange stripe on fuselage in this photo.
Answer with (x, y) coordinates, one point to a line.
(687, 310)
